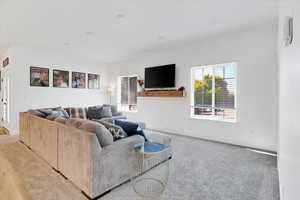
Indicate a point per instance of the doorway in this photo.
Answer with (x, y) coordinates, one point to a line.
(4, 101)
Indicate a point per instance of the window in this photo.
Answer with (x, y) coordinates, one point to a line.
(213, 92)
(127, 100)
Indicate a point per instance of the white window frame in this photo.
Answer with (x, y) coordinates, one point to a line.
(213, 117)
(119, 94)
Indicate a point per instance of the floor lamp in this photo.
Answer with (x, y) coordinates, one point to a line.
(110, 91)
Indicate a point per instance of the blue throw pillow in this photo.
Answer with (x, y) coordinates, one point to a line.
(141, 133)
(129, 127)
(62, 113)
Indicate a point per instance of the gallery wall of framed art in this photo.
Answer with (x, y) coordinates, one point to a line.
(60, 78)
(40, 77)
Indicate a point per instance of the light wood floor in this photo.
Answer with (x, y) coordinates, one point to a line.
(40, 180)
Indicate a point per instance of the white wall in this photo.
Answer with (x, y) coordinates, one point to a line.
(24, 97)
(255, 50)
(289, 107)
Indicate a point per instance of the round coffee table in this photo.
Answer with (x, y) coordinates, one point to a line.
(152, 173)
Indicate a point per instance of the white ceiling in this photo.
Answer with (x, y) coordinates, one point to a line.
(110, 30)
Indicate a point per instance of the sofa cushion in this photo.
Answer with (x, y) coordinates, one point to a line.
(105, 138)
(74, 122)
(114, 109)
(36, 113)
(94, 112)
(106, 112)
(77, 112)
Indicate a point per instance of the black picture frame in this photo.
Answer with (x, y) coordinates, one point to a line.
(79, 80)
(60, 75)
(95, 84)
(39, 77)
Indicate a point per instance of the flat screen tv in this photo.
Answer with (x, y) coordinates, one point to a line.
(160, 77)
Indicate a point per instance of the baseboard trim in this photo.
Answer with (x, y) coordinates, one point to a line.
(210, 140)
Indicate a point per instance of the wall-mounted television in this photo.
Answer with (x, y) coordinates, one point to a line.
(160, 77)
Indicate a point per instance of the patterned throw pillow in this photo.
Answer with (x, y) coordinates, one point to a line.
(77, 112)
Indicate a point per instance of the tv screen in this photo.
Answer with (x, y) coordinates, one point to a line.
(160, 76)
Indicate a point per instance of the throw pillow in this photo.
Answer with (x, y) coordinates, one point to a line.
(46, 111)
(130, 127)
(77, 112)
(36, 113)
(114, 109)
(141, 133)
(94, 112)
(104, 136)
(53, 116)
(106, 112)
(62, 112)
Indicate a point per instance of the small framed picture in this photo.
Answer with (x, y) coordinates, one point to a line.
(78, 80)
(60, 78)
(39, 77)
(94, 81)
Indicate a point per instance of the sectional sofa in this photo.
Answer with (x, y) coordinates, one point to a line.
(79, 156)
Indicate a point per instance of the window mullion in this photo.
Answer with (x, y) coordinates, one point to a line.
(213, 91)
(128, 91)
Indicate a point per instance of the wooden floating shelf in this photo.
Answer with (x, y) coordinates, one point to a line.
(162, 93)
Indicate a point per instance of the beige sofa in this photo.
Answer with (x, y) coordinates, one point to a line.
(78, 156)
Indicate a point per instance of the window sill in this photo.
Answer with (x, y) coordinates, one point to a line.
(216, 119)
(129, 111)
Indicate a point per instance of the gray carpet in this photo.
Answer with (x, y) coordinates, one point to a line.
(203, 170)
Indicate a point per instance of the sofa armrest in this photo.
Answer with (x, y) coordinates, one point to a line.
(112, 167)
(76, 151)
(122, 146)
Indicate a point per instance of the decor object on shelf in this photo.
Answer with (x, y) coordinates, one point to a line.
(181, 88)
(93, 81)
(5, 62)
(78, 80)
(152, 181)
(140, 84)
(60, 78)
(39, 77)
(162, 93)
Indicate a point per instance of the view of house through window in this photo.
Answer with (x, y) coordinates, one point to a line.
(213, 93)
(128, 93)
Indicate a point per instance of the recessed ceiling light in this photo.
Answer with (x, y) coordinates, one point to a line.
(120, 16)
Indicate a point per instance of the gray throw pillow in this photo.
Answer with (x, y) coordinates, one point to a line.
(114, 109)
(104, 136)
(94, 112)
(106, 112)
